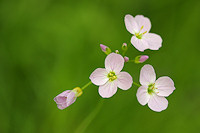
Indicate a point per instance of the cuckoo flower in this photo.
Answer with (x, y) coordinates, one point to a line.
(110, 77)
(154, 91)
(67, 97)
(142, 39)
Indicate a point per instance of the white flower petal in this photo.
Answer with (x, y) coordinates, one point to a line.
(143, 21)
(99, 76)
(124, 80)
(142, 95)
(165, 86)
(114, 62)
(157, 103)
(154, 41)
(131, 24)
(108, 90)
(147, 75)
(139, 44)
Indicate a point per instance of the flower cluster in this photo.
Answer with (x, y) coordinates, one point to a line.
(151, 91)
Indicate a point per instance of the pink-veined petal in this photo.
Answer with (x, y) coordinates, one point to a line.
(154, 41)
(99, 76)
(142, 95)
(65, 99)
(143, 22)
(124, 80)
(62, 106)
(147, 75)
(157, 103)
(108, 90)
(165, 86)
(131, 24)
(114, 62)
(71, 98)
(139, 44)
(61, 98)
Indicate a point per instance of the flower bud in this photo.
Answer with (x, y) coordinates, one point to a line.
(124, 47)
(105, 49)
(126, 59)
(117, 51)
(67, 97)
(141, 58)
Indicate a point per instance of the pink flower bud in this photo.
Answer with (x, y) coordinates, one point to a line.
(124, 46)
(67, 97)
(143, 58)
(117, 51)
(126, 59)
(105, 49)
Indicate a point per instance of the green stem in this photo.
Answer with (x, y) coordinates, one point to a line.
(131, 61)
(86, 85)
(136, 84)
(87, 121)
(124, 52)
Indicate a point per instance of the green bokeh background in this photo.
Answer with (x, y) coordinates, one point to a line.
(48, 46)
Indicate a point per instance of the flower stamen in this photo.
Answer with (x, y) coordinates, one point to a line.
(151, 89)
(139, 35)
(112, 76)
(144, 32)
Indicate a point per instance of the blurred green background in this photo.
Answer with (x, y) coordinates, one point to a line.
(48, 46)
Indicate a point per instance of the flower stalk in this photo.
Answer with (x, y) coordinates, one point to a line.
(86, 85)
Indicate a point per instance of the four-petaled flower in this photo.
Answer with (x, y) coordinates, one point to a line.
(142, 39)
(110, 77)
(154, 91)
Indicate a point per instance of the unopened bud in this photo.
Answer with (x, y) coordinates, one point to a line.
(141, 58)
(117, 51)
(105, 49)
(68, 97)
(124, 47)
(126, 59)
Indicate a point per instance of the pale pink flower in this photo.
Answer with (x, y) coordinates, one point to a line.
(126, 59)
(154, 91)
(142, 39)
(110, 77)
(67, 97)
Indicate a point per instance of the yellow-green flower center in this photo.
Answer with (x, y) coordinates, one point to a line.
(151, 89)
(139, 35)
(112, 76)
